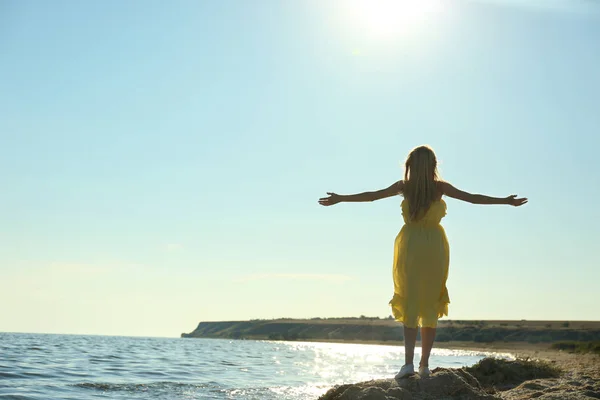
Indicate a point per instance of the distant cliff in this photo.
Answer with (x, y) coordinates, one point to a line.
(299, 330)
(387, 330)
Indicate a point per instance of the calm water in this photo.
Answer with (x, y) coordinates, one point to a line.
(34, 366)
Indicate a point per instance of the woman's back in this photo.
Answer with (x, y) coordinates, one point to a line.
(432, 216)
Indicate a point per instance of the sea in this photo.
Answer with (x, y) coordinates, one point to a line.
(48, 366)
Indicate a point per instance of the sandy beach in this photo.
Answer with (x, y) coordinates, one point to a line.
(580, 376)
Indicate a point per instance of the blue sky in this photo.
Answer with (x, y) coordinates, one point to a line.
(161, 163)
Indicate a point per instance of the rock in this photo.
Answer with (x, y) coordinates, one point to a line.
(532, 385)
(382, 389)
(372, 393)
(576, 378)
(550, 389)
(399, 393)
(443, 384)
(447, 384)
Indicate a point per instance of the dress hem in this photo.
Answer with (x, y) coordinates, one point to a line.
(399, 314)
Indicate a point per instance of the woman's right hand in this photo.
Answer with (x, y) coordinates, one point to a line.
(330, 200)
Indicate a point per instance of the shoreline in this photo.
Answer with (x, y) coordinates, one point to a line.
(492, 347)
(516, 349)
(537, 351)
(579, 377)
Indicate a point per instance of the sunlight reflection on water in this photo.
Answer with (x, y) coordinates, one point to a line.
(86, 367)
(357, 362)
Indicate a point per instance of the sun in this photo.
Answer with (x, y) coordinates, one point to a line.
(392, 17)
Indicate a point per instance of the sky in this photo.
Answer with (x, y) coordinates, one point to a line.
(161, 162)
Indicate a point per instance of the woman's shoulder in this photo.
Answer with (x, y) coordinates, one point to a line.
(441, 186)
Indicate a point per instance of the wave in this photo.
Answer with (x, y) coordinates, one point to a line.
(23, 375)
(108, 386)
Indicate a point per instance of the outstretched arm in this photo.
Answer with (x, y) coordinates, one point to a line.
(390, 191)
(455, 193)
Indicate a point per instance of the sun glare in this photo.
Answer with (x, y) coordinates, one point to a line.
(392, 17)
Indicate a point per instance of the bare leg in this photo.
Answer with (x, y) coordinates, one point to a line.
(410, 338)
(427, 338)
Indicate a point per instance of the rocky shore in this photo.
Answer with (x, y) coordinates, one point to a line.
(535, 374)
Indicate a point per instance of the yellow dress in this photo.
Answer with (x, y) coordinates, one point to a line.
(421, 261)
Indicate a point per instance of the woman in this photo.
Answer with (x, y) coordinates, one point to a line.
(421, 252)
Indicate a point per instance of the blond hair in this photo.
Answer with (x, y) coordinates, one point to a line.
(420, 180)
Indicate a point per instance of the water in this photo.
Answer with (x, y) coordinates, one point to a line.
(34, 366)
